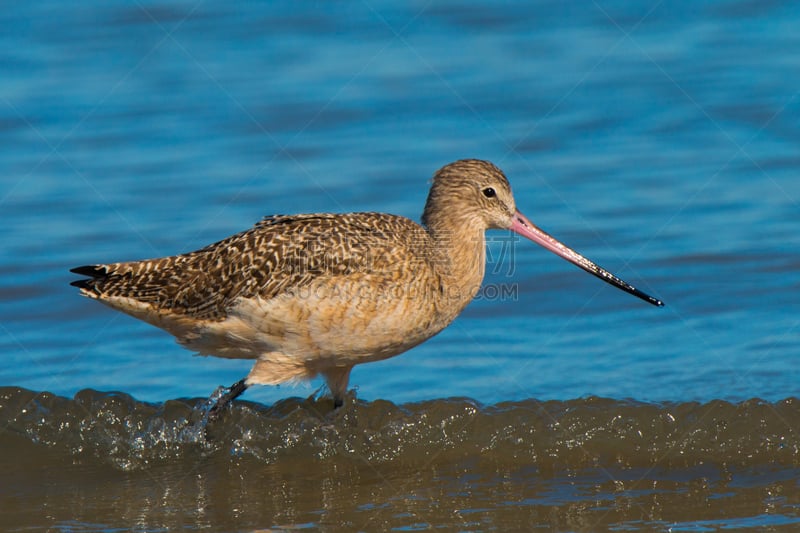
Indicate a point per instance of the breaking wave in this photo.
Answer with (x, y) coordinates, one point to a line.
(549, 436)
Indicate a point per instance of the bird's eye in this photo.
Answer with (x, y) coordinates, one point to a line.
(488, 192)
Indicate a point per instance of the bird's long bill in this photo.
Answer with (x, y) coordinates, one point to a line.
(525, 227)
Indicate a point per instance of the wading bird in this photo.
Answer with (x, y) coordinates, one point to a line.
(319, 293)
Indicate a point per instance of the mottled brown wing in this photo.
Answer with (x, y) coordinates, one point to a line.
(278, 254)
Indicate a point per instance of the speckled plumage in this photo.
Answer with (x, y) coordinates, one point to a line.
(281, 253)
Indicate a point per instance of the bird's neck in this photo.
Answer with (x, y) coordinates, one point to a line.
(460, 247)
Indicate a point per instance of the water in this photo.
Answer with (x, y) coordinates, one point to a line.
(659, 139)
(584, 464)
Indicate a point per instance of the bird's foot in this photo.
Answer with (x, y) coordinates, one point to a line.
(222, 397)
(323, 395)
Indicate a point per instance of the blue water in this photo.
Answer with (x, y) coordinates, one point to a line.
(660, 139)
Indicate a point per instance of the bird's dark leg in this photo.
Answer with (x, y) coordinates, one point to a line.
(337, 379)
(224, 396)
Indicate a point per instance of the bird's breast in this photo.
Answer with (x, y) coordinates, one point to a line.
(359, 318)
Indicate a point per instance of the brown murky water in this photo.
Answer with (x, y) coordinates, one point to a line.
(102, 462)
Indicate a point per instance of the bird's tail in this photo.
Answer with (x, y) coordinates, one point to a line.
(97, 274)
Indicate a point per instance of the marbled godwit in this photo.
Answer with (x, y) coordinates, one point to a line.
(316, 294)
